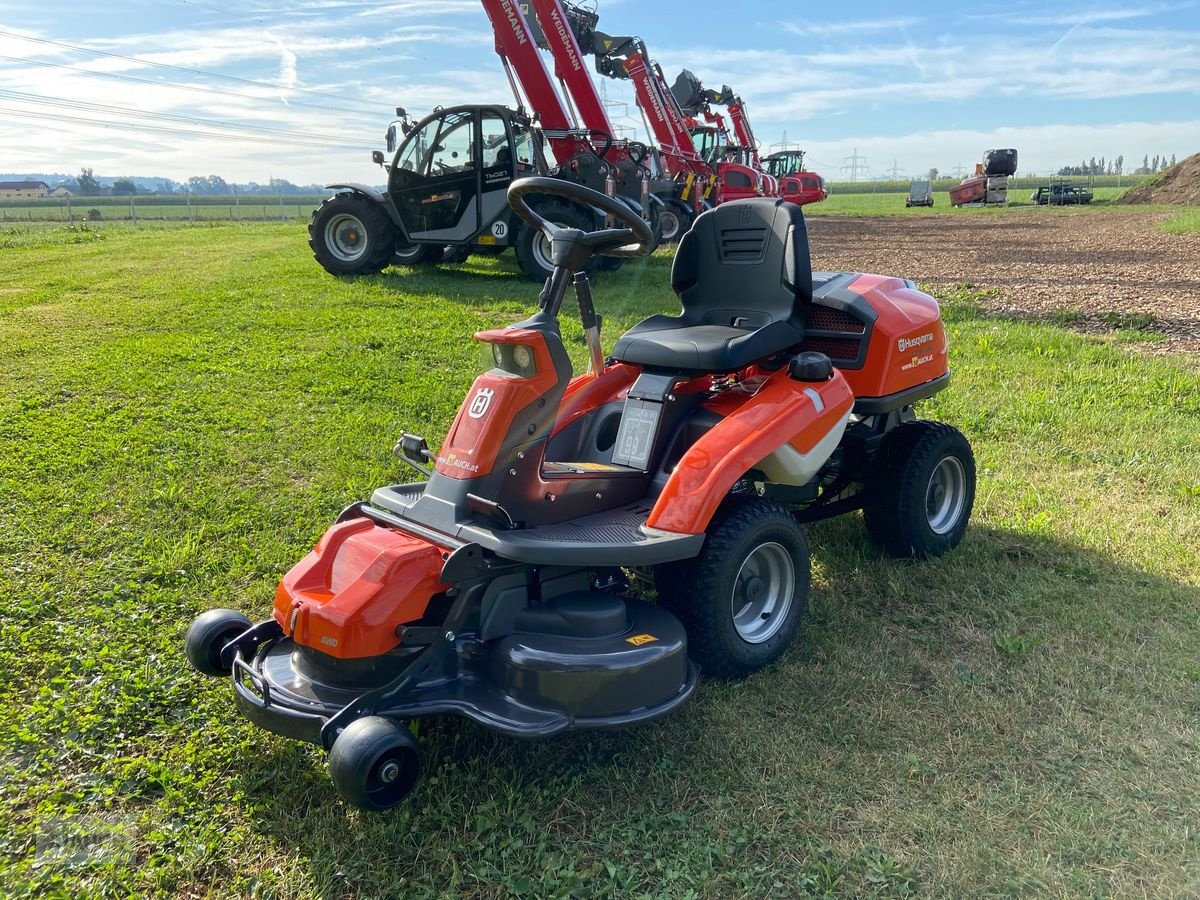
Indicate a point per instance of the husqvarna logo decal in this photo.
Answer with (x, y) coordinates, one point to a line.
(479, 405)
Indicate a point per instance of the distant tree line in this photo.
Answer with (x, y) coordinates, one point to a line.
(87, 185)
(1117, 166)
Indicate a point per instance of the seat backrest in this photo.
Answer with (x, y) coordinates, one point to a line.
(745, 263)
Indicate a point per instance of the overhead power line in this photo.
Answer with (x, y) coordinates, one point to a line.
(185, 69)
(158, 129)
(182, 87)
(87, 106)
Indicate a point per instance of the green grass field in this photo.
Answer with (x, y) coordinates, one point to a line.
(184, 411)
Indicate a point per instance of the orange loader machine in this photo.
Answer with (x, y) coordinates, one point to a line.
(496, 585)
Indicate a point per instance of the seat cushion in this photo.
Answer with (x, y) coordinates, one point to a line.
(665, 342)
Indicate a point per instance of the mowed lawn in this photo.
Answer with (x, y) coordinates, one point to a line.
(183, 411)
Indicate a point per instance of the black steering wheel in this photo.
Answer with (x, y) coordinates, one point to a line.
(635, 239)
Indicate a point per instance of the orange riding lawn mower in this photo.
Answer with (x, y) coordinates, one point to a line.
(497, 586)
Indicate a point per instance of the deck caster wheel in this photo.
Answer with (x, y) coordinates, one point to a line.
(375, 763)
(742, 599)
(920, 497)
(206, 639)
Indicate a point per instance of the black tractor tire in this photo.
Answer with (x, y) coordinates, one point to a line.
(532, 248)
(676, 219)
(743, 598)
(919, 498)
(351, 234)
(417, 254)
(206, 639)
(375, 763)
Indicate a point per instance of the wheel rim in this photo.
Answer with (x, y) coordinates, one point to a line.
(346, 237)
(669, 223)
(946, 495)
(392, 777)
(541, 248)
(762, 593)
(408, 253)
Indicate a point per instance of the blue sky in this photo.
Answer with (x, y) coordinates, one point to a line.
(909, 86)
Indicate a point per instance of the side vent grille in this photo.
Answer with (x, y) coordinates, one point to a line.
(838, 334)
(823, 318)
(746, 245)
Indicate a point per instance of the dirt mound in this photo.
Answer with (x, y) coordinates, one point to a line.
(1179, 184)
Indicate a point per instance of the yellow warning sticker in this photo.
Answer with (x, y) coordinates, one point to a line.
(638, 639)
(486, 239)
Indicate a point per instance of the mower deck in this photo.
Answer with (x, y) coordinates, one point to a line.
(528, 685)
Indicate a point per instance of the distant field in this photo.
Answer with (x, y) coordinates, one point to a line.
(1027, 183)
(203, 209)
(888, 204)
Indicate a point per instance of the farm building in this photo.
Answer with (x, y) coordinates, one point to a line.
(23, 190)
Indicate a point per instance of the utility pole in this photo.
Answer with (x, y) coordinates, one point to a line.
(959, 170)
(852, 163)
(895, 170)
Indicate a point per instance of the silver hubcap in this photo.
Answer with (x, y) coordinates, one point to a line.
(946, 495)
(541, 248)
(670, 225)
(762, 593)
(346, 237)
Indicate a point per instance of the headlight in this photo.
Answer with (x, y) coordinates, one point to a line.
(514, 359)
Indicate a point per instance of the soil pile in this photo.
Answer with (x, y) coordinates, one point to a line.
(1179, 184)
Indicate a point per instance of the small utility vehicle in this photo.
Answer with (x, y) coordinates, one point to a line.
(496, 586)
(920, 193)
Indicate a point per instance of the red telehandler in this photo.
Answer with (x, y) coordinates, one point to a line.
(796, 184)
(731, 155)
(785, 168)
(626, 58)
(449, 172)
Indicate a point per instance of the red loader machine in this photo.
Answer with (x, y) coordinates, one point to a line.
(736, 162)
(447, 179)
(494, 586)
(626, 58)
(989, 185)
(796, 184)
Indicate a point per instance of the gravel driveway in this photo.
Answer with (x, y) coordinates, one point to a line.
(1104, 269)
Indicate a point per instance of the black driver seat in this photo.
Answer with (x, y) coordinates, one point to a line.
(744, 277)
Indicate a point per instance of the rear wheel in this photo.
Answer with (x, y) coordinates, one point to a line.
(351, 235)
(920, 496)
(742, 599)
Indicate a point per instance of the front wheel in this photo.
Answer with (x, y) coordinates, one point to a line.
(351, 235)
(743, 598)
(920, 496)
(207, 639)
(375, 763)
(533, 247)
(417, 254)
(676, 219)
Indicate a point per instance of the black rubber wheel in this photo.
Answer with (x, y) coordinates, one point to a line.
(742, 599)
(352, 235)
(455, 253)
(676, 219)
(375, 763)
(920, 496)
(532, 248)
(207, 636)
(417, 254)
